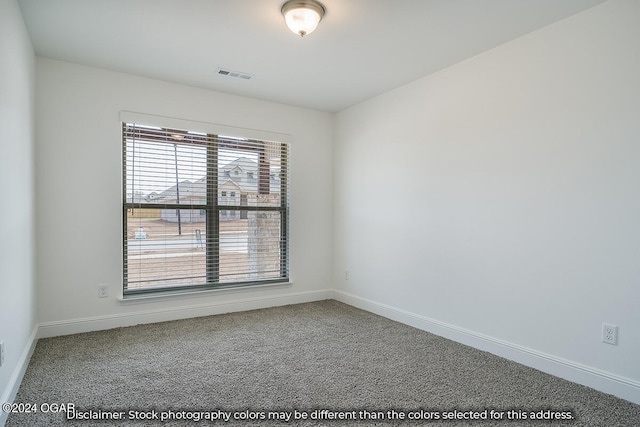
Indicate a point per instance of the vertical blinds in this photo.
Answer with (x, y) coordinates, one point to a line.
(202, 210)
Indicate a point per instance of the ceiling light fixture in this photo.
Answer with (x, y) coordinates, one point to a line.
(302, 16)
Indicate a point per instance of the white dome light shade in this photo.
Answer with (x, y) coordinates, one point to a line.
(302, 16)
(302, 21)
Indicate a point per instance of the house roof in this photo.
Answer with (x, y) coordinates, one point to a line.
(246, 181)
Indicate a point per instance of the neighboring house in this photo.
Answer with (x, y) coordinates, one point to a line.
(141, 212)
(237, 186)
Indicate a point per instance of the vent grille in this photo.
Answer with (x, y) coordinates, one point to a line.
(235, 74)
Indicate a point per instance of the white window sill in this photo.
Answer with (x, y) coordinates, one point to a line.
(169, 295)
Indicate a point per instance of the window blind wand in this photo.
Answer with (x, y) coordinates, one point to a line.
(175, 155)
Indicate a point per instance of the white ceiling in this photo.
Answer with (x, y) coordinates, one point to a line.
(361, 48)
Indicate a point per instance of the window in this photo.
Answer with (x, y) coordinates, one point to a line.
(181, 232)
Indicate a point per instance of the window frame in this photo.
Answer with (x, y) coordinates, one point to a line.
(214, 207)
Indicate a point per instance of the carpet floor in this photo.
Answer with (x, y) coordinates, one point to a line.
(321, 363)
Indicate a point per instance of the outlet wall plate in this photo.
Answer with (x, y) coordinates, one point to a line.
(103, 291)
(1, 353)
(609, 334)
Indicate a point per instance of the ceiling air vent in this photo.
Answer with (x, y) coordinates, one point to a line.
(234, 74)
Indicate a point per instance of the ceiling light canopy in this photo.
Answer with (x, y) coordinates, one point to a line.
(302, 16)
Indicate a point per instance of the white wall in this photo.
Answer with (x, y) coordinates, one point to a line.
(517, 177)
(17, 218)
(79, 174)
(515, 173)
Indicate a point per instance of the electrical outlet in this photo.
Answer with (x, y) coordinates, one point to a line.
(609, 334)
(103, 291)
(346, 275)
(1, 353)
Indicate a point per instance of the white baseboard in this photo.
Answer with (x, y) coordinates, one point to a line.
(606, 382)
(97, 323)
(16, 378)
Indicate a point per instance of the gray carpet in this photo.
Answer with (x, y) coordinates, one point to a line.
(319, 360)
